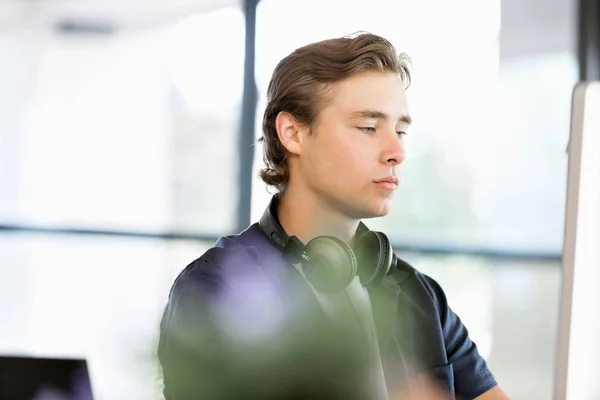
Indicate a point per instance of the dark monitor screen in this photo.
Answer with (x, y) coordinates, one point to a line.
(32, 378)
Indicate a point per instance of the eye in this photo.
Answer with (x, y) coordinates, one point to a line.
(367, 129)
(401, 133)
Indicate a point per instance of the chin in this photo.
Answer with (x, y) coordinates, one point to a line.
(384, 207)
(380, 209)
(364, 207)
(382, 213)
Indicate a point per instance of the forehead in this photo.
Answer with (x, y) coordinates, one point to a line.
(382, 91)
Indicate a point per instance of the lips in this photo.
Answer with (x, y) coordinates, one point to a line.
(388, 179)
(387, 183)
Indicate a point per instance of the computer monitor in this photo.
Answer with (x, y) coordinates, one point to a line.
(578, 355)
(37, 378)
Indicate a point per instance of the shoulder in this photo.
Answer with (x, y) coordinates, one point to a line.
(422, 288)
(231, 255)
(437, 294)
(216, 276)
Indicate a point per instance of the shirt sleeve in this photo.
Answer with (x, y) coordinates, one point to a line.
(472, 376)
(189, 339)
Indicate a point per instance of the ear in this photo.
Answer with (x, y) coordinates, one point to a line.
(290, 132)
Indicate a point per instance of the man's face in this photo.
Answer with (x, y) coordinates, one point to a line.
(357, 145)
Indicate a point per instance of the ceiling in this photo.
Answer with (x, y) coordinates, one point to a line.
(528, 26)
(18, 15)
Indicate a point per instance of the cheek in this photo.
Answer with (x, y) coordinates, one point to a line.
(349, 162)
(342, 154)
(355, 154)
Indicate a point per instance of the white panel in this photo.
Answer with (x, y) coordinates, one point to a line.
(579, 330)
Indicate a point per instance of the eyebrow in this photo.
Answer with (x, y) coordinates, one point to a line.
(379, 115)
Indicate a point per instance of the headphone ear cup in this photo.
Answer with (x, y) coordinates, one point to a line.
(374, 256)
(332, 264)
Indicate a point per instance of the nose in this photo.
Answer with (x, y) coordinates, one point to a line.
(393, 150)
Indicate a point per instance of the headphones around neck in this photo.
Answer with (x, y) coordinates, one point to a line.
(328, 263)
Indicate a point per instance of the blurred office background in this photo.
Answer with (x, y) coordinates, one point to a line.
(128, 145)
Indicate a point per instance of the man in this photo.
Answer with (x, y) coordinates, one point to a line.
(333, 135)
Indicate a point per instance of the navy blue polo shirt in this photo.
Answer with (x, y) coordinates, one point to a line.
(251, 289)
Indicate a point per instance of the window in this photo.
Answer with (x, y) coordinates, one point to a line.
(136, 131)
(95, 297)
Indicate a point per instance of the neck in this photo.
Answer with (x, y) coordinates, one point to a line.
(306, 216)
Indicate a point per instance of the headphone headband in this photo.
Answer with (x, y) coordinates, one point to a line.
(269, 224)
